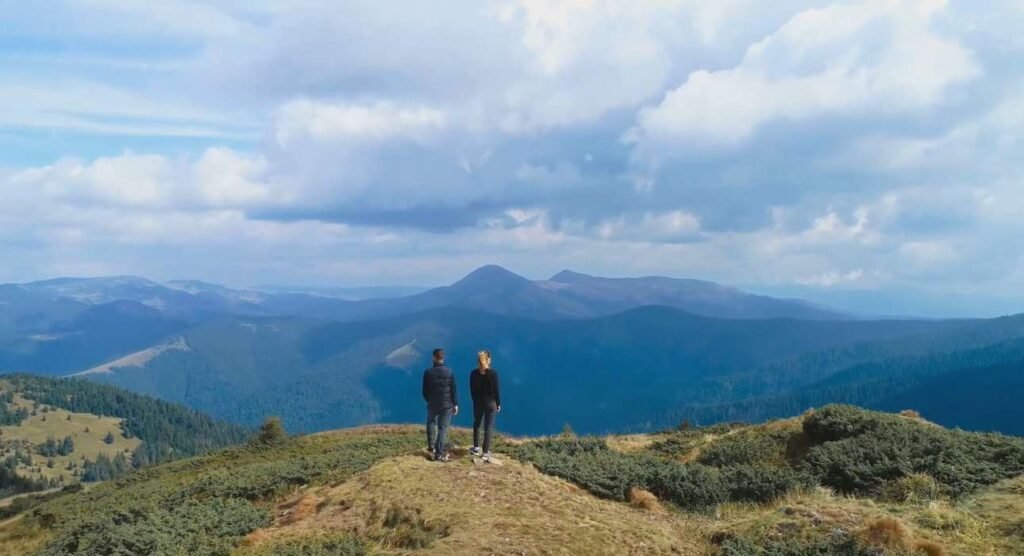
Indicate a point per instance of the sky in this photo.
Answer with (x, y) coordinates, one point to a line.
(815, 148)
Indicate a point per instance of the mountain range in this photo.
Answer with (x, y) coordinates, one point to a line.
(644, 353)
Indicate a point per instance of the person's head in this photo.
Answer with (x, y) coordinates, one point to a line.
(483, 359)
(438, 355)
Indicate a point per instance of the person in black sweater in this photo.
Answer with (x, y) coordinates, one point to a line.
(486, 392)
(442, 403)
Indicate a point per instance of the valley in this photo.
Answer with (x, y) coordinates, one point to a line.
(646, 353)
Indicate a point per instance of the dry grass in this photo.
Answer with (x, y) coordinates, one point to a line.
(889, 534)
(640, 498)
(989, 524)
(631, 443)
(461, 508)
(16, 538)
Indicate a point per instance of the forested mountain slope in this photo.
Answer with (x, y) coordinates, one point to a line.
(319, 374)
(57, 432)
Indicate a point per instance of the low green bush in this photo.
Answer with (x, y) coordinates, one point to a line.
(589, 463)
(763, 485)
(751, 447)
(860, 451)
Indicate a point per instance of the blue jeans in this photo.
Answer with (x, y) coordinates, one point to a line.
(437, 429)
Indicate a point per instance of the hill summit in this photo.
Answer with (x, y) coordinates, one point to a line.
(839, 480)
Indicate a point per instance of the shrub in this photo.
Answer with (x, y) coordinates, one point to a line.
(761, 485)
(590, 464)
(271, 432)
(752, 447)
(692, 487)
(836, 422)
(859, 451)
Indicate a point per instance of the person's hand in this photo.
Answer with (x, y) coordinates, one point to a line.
(499, 409)
(455, 411)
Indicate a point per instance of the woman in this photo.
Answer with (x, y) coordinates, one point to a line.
(483, 385)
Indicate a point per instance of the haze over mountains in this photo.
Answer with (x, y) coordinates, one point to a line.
(643, 353)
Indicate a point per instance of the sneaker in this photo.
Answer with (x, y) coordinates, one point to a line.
(443, 458)
(487, 458)
(475, 451)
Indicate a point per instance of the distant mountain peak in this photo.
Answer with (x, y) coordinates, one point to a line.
(569, 276)
(491, 276)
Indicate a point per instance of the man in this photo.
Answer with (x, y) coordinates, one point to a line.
(442, 404)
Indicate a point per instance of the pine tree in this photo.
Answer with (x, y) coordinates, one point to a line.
(271, 432)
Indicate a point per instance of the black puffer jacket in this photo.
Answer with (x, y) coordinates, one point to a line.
(439, 387)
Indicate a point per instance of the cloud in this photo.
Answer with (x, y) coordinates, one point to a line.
(863, 143)
(219, 178)
(867, 58)
(381, 121)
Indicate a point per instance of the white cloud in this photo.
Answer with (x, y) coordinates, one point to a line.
(865, 58)
(380, 121)
(218, 178)
(859, 143)
(833, 278)
(668, 227)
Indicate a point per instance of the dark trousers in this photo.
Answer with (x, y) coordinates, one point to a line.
(483, 414)
(437, 429)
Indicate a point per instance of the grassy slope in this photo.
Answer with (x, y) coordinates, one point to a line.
(346, 491)
(467, 508)
(35, 430)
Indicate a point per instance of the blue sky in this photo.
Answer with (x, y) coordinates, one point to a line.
(803, 147)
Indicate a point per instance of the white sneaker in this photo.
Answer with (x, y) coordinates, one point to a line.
(487, 457)
(475, 451)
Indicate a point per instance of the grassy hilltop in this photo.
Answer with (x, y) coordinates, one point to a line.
(839, 480)
(60, 433)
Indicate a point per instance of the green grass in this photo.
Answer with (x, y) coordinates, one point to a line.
(86, 430)
(205, 505)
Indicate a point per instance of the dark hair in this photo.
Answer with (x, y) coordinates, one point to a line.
(438, 354)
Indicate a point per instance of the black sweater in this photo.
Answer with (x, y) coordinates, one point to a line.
(484, 387)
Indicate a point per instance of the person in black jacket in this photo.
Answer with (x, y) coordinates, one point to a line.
(442, 403)
(486, 392)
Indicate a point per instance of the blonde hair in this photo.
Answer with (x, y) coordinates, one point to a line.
(483, 360)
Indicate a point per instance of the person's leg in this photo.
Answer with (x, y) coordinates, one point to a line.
(431, 430)
(478, 415)
(489, 416)
(444, 418)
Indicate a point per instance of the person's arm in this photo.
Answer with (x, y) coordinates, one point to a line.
(497, 390)
(425, 397)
